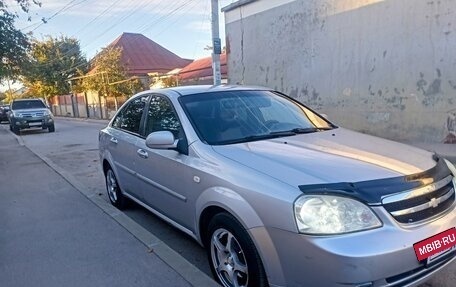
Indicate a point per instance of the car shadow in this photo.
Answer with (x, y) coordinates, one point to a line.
(33, 131)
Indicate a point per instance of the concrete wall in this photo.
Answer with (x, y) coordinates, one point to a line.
(383, 67)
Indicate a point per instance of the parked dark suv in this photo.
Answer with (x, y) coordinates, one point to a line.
(30, 113)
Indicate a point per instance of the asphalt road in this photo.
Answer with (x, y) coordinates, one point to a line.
(74, 148)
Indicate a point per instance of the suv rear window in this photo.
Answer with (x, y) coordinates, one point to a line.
(36, 104)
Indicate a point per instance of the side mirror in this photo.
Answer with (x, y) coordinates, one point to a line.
(161, 140)
(166, 140)
(325, 116)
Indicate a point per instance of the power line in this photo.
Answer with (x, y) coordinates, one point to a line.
(142, 5)
(98, 16)
(63, 9)
(158, 13)
(177, 19)
(150, 25)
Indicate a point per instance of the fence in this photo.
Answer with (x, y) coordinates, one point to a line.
(85, 105)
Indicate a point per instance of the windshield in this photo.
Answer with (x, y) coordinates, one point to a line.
(33, 104)
(241, 116)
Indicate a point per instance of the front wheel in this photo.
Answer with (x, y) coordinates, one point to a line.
(113, 189)
(51, 128)
(233, 257)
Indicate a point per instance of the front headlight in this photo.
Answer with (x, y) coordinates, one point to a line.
(451, 167)
(328, 214)
(453, 171)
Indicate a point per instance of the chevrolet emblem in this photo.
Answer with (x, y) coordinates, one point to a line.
(433, 203)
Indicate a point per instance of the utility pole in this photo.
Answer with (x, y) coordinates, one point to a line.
(216, 44)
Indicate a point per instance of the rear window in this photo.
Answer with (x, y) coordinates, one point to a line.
(35, 104)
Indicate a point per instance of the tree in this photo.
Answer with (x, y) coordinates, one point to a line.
(170, 82)
(109, 77)
(14, 43)
(52, 63)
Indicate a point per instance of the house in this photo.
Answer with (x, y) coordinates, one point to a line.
(141, 56)
(386, 68)
(199, 72)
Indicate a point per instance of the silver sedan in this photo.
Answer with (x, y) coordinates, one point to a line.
(277, 194)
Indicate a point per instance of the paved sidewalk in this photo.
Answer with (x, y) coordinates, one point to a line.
(51, 235)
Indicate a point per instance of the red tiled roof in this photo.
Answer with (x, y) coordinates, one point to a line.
(202, 68)
(141, 55)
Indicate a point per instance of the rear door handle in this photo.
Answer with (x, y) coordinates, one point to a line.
(142, 153)
(114, 140)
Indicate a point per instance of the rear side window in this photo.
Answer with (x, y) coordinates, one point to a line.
(129, 118)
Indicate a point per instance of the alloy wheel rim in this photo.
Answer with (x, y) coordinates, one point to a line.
(228, 259)
(111, 184)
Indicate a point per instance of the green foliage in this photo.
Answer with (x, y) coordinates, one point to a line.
(169, 82)
(13, 43)
(52, 63)
(108, 75)
(8, 97)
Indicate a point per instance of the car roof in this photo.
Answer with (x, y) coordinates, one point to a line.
(200, 89)
(31, 99)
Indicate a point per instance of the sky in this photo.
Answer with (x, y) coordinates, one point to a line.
(181, 26)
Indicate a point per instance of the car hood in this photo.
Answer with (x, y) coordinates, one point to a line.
(333, 156)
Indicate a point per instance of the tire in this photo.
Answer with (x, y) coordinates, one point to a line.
(16, 130)
(11, 127)
(51, 128)
(242, 262)
(114, 193)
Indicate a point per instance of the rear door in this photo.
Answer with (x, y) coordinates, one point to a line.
(121, 139)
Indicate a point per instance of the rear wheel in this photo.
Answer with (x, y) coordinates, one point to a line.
(113, 189)
(233, 257)
(51, 128)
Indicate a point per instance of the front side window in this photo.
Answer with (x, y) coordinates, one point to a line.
(162, 117)
(129, 118)
(240, 116)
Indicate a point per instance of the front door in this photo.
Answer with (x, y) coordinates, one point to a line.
(165, 174)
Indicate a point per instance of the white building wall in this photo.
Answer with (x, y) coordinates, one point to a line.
(385, 67)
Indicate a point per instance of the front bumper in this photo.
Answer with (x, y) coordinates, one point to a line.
(32, 122)
(379, 257)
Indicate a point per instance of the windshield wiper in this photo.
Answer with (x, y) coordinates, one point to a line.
(272, 135)
(300, 131)
(254, 138)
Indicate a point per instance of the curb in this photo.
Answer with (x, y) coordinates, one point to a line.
(188, 271)
(85, 120)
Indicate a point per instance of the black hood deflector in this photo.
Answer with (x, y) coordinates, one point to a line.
(372, 191)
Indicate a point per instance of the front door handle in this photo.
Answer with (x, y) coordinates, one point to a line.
(142, 153)
(114, 140)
